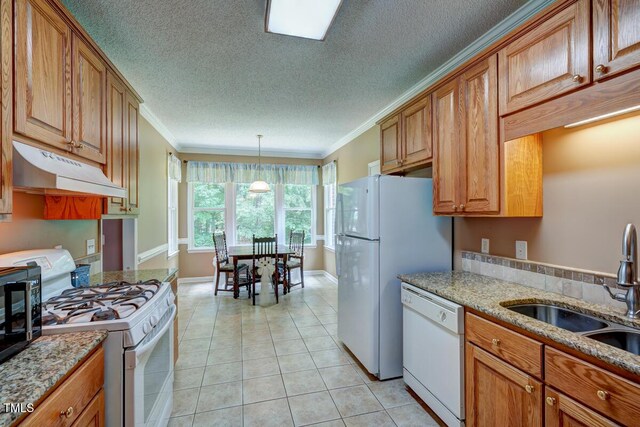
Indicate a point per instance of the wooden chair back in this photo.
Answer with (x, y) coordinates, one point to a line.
(263, 246)
(296, 243)
(220, 247)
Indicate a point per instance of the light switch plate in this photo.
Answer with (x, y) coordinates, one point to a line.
(485, 246)
(521, 249)
(91, 246)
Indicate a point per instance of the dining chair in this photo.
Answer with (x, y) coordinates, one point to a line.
(224, 266)
(264, 247)
(296, 258)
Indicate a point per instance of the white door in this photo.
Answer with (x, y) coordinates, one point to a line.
(357, 208)
(358, 303)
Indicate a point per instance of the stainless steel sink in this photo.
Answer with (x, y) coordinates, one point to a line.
(561, 317)
(623, 339)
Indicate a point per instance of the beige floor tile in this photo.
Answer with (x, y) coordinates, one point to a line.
(197, 345)
(303, 382)
(258, 351)
(328, 319)
(334, 423)
(228, 417)
(223, 342)
(188, 378)
(305, 321)
(264, 388)
(366, 376)
(222, 373)
(312, 331)
(320, 343)
(378, 419)
(224, 355)
(289, 333)
(184, 421)
(290, 347)
(411, 415)
(313, 408)
(272, 413)
(327, 358)
(185, 401)
(340, 376)
(194, 359)
(295, 362)
(220, 396)
(332, 329)
(356, 400)
(260, 368)
(391, 393)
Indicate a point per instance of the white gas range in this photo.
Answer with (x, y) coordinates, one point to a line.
(139, 349)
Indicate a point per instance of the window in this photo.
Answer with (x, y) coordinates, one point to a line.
(298, 210)
(254, 214)
(172, 217)
(329, 216)
(207, 203)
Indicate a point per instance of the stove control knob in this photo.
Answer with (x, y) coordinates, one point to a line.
(154, 320)
(168, 302)
(146, 328)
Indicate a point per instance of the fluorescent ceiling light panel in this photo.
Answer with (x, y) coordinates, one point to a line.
(604, 116)
(309, 19)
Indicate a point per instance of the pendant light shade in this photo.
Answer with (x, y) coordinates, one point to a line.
(259, 186)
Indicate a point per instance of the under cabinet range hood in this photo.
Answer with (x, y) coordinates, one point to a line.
(34, 168)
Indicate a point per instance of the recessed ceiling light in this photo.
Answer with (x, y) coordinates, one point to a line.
(604, 116)
(309, 19)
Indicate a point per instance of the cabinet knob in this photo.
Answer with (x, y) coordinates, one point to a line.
(495, 342)
(551, 401)
(68, 413)
(602, 395)
(529, 388)
(462, 207)
(80, 146)
(577, 78)
(601, 69)
(454, 207)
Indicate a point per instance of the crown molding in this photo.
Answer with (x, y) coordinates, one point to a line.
(505, 26)
(159, 126)
(251, 152)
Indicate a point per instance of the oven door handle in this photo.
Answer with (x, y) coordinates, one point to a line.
(132, 355)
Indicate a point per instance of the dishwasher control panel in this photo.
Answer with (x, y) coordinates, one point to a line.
(435, 308)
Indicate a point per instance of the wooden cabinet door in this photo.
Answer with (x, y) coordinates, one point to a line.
(133, 154)
(562, 411)
(498, 394)
(447, 155)
(416, 144)
(616, 36)
(89, 102)
(6, 104)
(390, 145)
(42, 108)
(480, 192)
(117, 167)
(93, 414)
(549, 60)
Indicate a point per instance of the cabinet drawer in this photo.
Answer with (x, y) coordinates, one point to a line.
(72, 397)
(603, 391)
(520, 351)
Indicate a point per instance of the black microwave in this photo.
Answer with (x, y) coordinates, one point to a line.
(20, 309)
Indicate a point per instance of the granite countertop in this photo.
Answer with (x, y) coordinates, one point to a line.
(133, 276)
(29, 375)
(489, 295)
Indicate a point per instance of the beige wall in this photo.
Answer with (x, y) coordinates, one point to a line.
(353, 162)
(591, 190)
(199, 264)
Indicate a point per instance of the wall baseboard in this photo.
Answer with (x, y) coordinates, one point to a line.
(322, 273)
(151, 253)
(187, 280)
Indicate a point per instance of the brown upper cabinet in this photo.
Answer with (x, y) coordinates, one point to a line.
(551, 59)
(89, 102)
(467, 148)
(132, 154)
(42, 108)
(390, 145)
(616, 36)
(117, 164)
(6, 127)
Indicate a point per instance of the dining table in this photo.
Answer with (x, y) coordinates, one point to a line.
(241, 253)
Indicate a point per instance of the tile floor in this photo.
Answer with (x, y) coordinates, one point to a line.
(242, 365)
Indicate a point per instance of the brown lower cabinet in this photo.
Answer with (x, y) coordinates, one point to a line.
(77, 401)
(569, 391)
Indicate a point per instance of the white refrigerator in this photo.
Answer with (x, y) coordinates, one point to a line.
(384, 227)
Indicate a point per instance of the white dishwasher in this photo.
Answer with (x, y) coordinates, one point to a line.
(433, 352)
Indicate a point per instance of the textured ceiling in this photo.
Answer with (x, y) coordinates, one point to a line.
(215, 79)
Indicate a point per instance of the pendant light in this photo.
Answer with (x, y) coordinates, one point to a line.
(259, 186)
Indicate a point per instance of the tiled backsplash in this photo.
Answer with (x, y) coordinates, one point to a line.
(581, 284)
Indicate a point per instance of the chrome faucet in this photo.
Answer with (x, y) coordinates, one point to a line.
(628, 273)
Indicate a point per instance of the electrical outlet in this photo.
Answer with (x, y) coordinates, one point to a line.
(91, 246)
(485, 246)
(521, 249)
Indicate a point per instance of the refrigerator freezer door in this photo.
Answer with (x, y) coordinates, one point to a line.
(357, 208)
(358, 310)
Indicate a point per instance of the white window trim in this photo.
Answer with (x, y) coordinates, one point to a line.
(172, 251)
(328, 244)
(191, 247)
